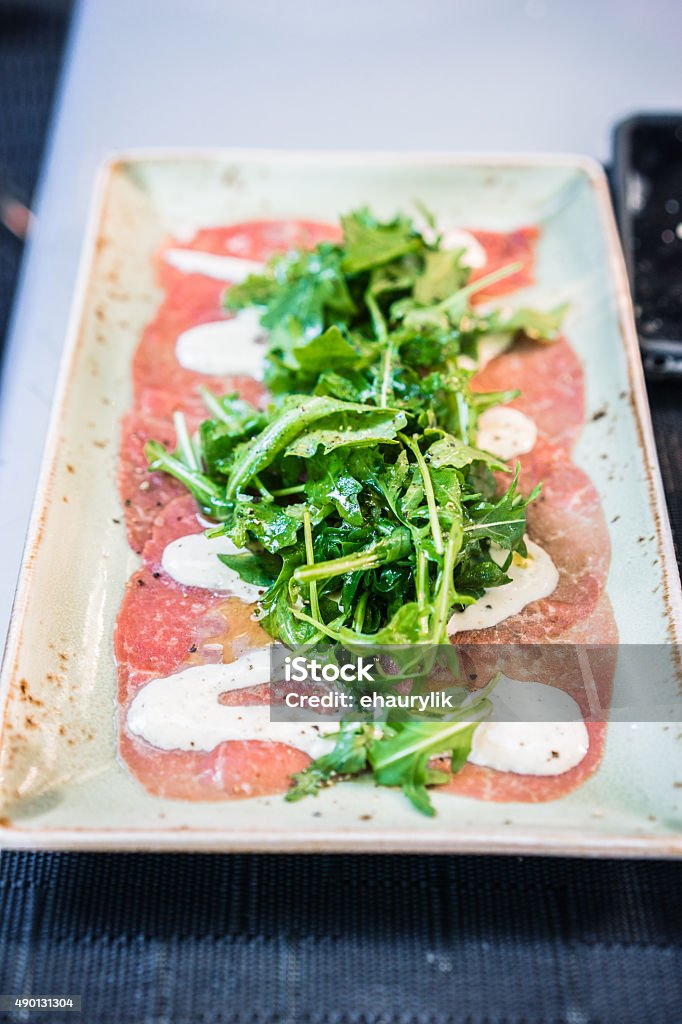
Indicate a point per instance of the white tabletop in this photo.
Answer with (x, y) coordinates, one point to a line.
(434, 74)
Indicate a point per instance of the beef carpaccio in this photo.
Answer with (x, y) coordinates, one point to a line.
(165, 627)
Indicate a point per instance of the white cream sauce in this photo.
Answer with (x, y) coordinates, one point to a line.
(453, 237)
(506, 432)
(532, 578)
(183, 712)
(530, 747)
(458, 238)
(193, 561)
(235, 346)
(221, 268)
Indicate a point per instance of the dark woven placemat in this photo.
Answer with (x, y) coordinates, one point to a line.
(344, 940)
(31, 41)
(324, 940)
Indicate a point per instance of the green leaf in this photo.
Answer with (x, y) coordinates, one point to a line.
(351, 386)
(275, 611)
(443, 274)
(371, 243)
(331, 348)
(402, 759)
(300, 292)
(404, 627)
(534, 323)
(260, 569)
(293, 418)
(218, 438)
(349, 757)
(354, 426)
(502, 521)
(480, 576)
(265, 522)
(450, 451)
(329, 481)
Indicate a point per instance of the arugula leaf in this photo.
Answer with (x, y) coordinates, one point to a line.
(329, 481)
(450, 451)
(265, 522)
(404, 627)
(502, 521)
(349, 757)
(260, 569)
(295, 417)
(332, 348)
(219, 438)
(401, 756)
(359, 426)
(300, 293)
(478, 577)
(535, 324)
(443, 274)
(370, 243)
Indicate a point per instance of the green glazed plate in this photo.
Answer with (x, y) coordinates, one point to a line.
(61, 785)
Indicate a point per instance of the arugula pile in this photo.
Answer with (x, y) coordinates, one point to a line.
(362, 501)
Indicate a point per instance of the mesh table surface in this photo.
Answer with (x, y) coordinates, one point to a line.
(311, 940)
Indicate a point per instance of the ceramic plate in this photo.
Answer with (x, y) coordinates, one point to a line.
(61, 784)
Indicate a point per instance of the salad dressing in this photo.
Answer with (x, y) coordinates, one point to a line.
(531, 578)
(222, 268)
(506, 432)
(457, 238)
(530, 747)
(193, 561)
(474, 253)
(184, 711)
(234, 346)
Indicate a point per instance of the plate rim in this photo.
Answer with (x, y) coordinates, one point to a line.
(12, 836)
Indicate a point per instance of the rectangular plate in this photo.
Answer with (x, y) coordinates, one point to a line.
(61, 784)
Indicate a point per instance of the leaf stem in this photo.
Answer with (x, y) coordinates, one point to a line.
(429, 494)
(310, 560)
(195, 482)
(462, 416)
(443, 599)
(184, 442)
(386, 389)
(213, 405)
(322, 627)
(395, 546)
(378, 320)
(479, 285)
(422, 583)
(262, 489)
(283, 492)
(501, 522)
(359, 617)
